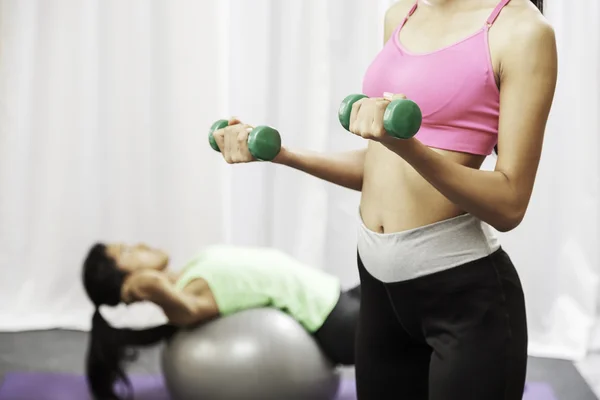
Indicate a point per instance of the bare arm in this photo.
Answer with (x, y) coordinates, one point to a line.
(501, 197)
(344, 169)
(180, 308)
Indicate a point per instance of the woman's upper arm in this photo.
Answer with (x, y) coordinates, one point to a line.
(179, 307)
(528, 81)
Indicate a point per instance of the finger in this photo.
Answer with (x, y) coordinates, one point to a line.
(233, 121)
(229, 144)
(366, 128)
(381, 104)
(239, 142)
(377, 130)
(219, 137)
(391, 96)
(243, 150)
(377, 124)
(354, 115)
(240, 135)
(241, 132)
(368, 114)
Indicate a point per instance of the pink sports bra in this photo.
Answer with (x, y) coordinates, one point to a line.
(454, 87)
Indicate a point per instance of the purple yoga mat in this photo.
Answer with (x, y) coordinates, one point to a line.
(53, 386)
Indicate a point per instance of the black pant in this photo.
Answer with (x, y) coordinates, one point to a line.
(337, 334)
(460, 334)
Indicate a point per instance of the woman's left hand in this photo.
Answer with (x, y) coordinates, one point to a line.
(366, 118)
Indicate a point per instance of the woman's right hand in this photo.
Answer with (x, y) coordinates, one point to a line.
(233, 142)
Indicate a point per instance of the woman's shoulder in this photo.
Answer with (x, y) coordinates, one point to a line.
(522, 17)
(395, 14)
(400, 8)
(522, 32)
(398, 11)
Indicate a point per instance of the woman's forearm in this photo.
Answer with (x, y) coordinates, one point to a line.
(345, 169)
(488, 195)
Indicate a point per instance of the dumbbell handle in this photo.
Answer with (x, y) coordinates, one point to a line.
(402, 118)
(264, 142)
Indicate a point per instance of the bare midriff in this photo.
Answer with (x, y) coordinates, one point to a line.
(395, 197)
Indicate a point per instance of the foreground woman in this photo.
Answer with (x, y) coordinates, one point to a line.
(443, 311)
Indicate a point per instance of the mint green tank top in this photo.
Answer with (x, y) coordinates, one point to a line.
(249, 277)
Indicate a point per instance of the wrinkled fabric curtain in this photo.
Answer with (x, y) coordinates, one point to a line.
(104, 111)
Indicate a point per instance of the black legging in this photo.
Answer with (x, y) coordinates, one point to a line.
(337, 334)
(457, 334)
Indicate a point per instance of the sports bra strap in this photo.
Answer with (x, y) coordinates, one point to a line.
(411, 12)
(413, 9)
(496, 12)
(492, 18)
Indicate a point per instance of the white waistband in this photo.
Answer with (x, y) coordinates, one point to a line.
(400, 256)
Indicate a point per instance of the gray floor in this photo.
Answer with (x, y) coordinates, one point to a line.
(590, 369)
(62, 351)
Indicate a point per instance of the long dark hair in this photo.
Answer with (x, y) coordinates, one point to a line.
(539, 4)
(109, 348)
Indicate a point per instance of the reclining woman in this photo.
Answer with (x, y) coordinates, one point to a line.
(220, 281)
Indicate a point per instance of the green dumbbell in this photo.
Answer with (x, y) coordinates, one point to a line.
(264, 142)
(402, 117)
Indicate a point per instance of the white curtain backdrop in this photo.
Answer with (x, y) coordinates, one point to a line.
(104, 110)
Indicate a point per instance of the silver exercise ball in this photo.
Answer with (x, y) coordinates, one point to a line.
(258, 354)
